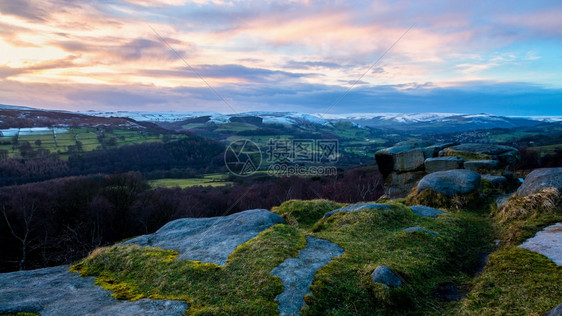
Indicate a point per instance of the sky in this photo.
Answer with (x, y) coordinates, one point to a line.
(335, 57)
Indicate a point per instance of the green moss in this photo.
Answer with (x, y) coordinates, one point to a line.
(243, 286)
(304, 214)
(375, 237)
(515, 282)
(20, 314)
(370, 238)
(466, 155)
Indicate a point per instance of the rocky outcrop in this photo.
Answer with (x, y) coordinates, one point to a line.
(547, 242)
(297, 274)
(358, 207)
(55, 291)
(384, 275)
(442, 164)
(209, 240)
(450, 183)
(505, 155)
(539, 179)
(403, 165)
(402, 168)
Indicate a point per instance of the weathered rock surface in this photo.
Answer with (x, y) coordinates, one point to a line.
(539, 179)
(547, 242)
(476, 165)
(433, 150)
(384, 275)
(420, 230)
(297, 274)
(358, 207)
(399, 158)
(400, 184)
(209, 240)
(426, 211)
(443, 163)
(450, 182)
(55, 291)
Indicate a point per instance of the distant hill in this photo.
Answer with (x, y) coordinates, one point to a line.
(23, 117)
(406, 122)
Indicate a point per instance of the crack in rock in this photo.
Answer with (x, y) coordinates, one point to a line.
(297, 274)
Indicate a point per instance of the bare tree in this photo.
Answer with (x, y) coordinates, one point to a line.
(24, 236)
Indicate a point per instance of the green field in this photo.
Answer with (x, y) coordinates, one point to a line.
(62, 143)
(214, 180)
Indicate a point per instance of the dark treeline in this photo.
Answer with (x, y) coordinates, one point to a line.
(531, 159)
(192, 153)
(58, 221)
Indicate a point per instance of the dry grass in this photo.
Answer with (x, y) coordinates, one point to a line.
(547, 201)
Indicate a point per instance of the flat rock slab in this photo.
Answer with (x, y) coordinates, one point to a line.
(297, 274)
(425, 211)
(539, 179)
(358, 207)
(55, 291)
(209, 240)
(443, 163)
(481, 165)
(547, 242)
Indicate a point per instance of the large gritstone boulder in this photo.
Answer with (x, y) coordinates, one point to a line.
(450, 182)
(539, 179)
